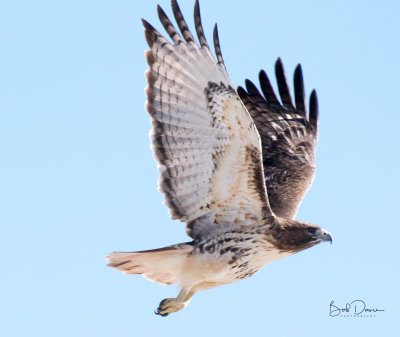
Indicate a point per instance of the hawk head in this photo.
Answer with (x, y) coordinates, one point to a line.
(295, 236)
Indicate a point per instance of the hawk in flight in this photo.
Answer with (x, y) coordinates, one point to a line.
(234, 164)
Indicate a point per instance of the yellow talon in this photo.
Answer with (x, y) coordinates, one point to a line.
(170, 305)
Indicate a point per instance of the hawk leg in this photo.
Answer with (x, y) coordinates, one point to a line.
(174, 304)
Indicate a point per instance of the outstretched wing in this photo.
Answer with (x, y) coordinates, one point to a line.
(206, 144)
(288, 135)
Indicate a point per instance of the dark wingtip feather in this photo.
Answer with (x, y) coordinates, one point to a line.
(278, 63)
(147, 25)
(168, 26)
(267, 89)
(298, 68)
(150, 33)
(180, 20)
(199, 26)
(313, 118)
(241, 92)
(299, 95)
(283, 86)
(217, 46)
(251, 88)
(160, 12)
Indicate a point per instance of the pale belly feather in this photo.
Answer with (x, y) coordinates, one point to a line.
(227, 258)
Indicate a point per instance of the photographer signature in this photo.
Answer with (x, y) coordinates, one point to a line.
(356, 307)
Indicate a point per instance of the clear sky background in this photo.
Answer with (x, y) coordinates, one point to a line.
(78, 180)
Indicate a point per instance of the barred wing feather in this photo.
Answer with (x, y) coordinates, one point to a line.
(204, 140)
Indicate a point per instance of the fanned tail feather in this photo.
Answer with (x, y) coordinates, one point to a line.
(161, 265)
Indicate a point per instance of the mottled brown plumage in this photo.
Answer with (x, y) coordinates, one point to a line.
(288, 136)
(233, 167)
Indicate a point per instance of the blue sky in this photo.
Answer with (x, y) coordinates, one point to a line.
(77, 177)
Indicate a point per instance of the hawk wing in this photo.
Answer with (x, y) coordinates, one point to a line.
(204, 140)
(288, 136)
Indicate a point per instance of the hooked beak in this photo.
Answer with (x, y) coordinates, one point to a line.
(326, 236)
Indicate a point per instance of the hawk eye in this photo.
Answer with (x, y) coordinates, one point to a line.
(311, 230)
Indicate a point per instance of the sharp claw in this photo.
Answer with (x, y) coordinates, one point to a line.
(168, 306)
(157, 312)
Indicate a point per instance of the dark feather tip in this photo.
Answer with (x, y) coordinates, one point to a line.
(267, 89)
(217, 46)
(199, 26)
(313, 117)
(241, 92)
(283, 86)
(299, 90)
(298, 69)
(147, 25)
(278, 63)
(180, 20)
(251, 88)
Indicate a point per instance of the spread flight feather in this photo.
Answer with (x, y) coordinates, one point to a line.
(234, 165)
(206, 144)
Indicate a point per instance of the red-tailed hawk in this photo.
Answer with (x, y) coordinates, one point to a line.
(234, 165)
